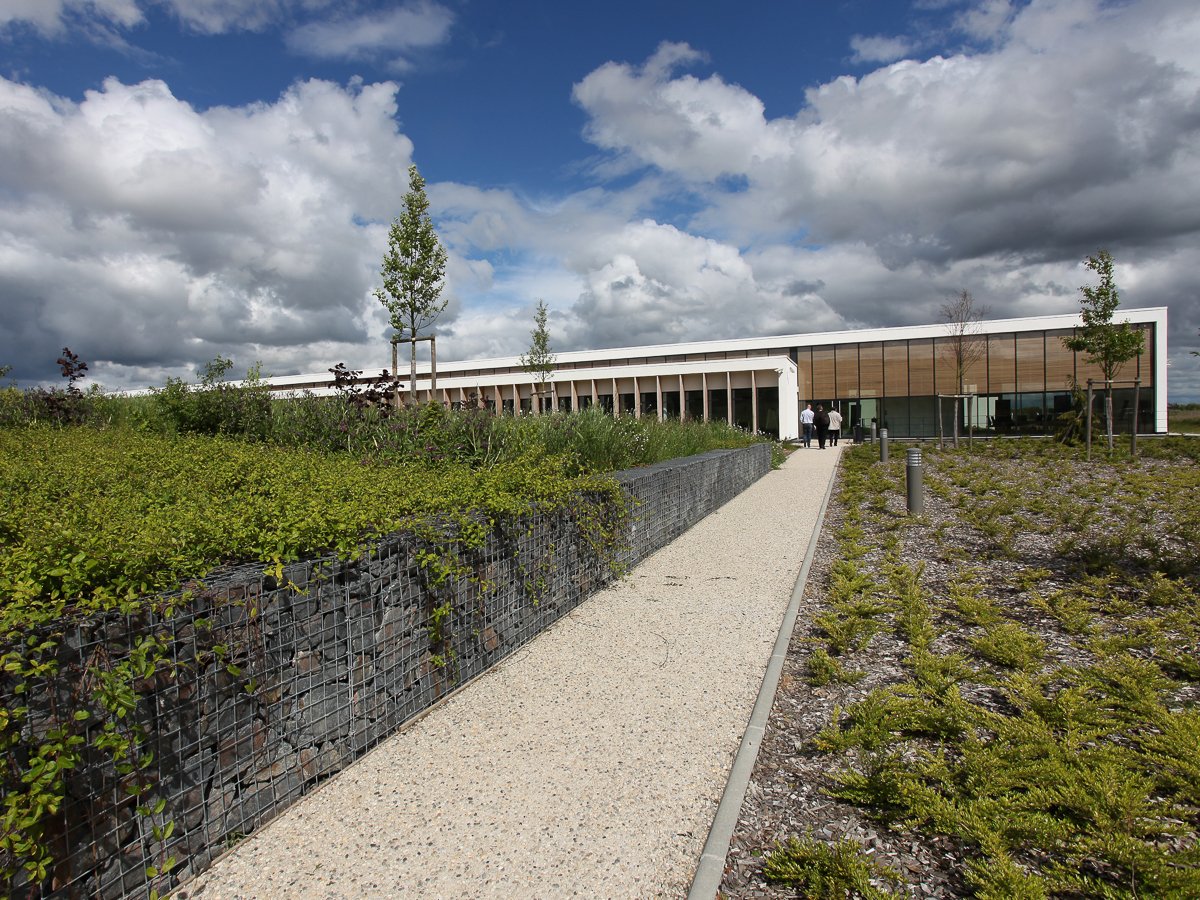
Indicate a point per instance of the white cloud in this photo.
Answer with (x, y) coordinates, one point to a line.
(52, 17)
(132, 222)
(698, 128)
(391, 34)
(988, 20)
(164, 235)
(936, 158)
(879, 48)
(993, 171)
(219, 16)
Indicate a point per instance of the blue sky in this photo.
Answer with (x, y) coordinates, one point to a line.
(186, 178)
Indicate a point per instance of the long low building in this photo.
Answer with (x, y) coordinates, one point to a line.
(1016, 377)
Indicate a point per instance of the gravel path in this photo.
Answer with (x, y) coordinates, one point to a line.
(588, 764)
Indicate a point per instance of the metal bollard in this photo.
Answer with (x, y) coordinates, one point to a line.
(883, 450)
(873, 426)
(916, 497)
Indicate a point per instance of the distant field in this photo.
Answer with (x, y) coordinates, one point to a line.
(1187, 420)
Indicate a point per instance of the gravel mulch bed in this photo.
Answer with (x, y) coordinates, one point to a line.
(789, 790)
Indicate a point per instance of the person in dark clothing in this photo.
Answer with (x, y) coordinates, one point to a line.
(821, 422)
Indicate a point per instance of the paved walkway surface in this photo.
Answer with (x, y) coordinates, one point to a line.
(591, 762)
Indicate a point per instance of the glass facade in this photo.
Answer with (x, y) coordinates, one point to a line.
(1010, 382)
(1014, 383)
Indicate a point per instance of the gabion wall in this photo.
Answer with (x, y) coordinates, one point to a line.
(271, 690)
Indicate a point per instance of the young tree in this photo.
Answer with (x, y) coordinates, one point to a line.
(1106, 345)
(966, 345)
(539, 361)
(413, 270)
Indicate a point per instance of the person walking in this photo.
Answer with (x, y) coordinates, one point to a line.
(806, 424)
(821, 421)
(835, 427)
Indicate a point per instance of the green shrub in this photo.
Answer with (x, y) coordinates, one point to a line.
(1008, 644)
(825, 872)
(90, 518)
(823, 669)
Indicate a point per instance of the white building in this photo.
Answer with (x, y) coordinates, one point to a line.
(1017, 377)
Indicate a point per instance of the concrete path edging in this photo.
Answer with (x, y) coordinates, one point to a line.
(711, 869)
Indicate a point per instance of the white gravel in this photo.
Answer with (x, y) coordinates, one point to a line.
(588, 764)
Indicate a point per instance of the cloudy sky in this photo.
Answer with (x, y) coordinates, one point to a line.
(186, 178)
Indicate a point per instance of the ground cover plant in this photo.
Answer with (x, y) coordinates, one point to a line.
(111, 503)
(1183, 417)
(998, 698)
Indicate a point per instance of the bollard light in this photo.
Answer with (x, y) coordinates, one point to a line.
(873, 426)
(883, 448)
(913, 469)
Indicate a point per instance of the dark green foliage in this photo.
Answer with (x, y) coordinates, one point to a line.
(153, 511)
(825, 872)
(1070, 781)
(539, 360)
(824, 669)
(1104, 343)
(1008, 644)
(216, 407)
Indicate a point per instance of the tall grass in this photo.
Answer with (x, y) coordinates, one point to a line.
(587, 441)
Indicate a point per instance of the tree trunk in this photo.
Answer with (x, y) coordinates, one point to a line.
(412, 371)
(1108, 415)
(395, 378)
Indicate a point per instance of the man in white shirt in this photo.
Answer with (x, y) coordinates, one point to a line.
(806, 423)
(835, 427)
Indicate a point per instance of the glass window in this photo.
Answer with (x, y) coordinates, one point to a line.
(870, 371)
(1002, 364)
(804, 371)
(718, 405)
(920, 367)
(1060, 362)
(743, 408)
(1144, 365)
(945, 364)
(822, 372)
(1031, 362)
(845, 370)
(895, 369)
(1085, 370)
(894, 412)
(1029, 414)
(974, 364)
(768, 410)
(922, 416)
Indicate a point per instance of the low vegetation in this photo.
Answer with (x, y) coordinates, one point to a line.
(113, 503)
(1010, 684)
(1184, 417)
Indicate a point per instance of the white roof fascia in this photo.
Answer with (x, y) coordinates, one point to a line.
(782, 365)
(857, 336)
